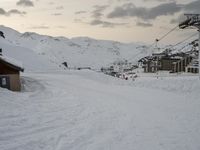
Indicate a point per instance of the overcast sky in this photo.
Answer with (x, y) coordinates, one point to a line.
(119, 20)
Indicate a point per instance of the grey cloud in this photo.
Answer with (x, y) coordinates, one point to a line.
(130, 10)
(123, 0)
(60, 8)
(164, 9)
(40, 27)
(15, 11)
(160, 0)
(105, 23)
(78, 21)
(174, 21)
(193, 7)
(144, 24)
(100, 7)
(177, 20)
(2, 11)
(11, 12)
(80, 12)
(61, 27)
(169, 8)
(26, 3)
(98, 12)
(57, 14)
(51, 3)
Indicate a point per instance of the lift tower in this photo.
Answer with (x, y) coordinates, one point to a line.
(193, 20)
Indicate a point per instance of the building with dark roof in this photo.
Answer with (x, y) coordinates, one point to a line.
(10, 73)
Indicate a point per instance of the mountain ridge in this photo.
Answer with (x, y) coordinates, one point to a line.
(77, 52)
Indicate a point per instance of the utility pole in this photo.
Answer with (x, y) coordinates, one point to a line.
(193, 20)
(199, 53)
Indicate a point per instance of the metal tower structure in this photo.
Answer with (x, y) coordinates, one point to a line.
(193, 20)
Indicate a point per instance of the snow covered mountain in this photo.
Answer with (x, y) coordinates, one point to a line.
(78, 110)
(51, 52)
(31, 61)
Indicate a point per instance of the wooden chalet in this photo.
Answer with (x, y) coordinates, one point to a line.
(10, 73)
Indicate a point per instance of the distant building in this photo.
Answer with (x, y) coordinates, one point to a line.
(166, 62)
(150, 64)
(10, 73)
(193, 67)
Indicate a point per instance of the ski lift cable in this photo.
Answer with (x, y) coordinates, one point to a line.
(183, 47)
(184, 40)
(157, 40)
(172, 46)
(162, 37)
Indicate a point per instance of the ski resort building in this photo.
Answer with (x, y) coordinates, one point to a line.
(176, 62)
(193, 67)
(10, 73)
(169, 62)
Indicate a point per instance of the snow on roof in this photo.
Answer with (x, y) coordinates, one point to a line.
(13, 62)
(176, 57)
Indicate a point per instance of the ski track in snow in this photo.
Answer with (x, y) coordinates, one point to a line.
(89, 111)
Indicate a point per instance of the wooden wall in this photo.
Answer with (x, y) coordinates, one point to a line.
(12, 74)
(15, 84)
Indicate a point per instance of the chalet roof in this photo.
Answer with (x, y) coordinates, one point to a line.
(159, 53)
(147, 58)
(12, 63)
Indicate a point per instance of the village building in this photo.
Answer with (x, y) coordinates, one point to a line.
(166, 62)
(175, 62)
(150, 64)
(193, 67)
(10, 73)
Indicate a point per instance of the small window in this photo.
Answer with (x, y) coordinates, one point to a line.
(4, 81)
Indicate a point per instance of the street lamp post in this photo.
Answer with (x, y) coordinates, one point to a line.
(199, 52)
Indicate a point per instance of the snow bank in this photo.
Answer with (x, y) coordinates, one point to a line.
(177, 84)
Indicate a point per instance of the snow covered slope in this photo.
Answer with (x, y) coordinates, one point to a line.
(77, 52)
(84, 110)
(30, 60)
